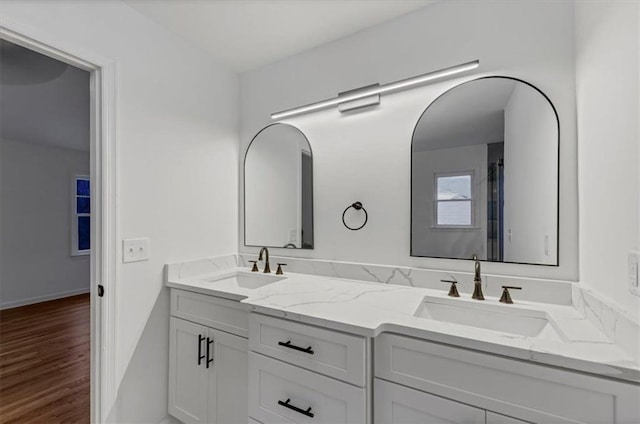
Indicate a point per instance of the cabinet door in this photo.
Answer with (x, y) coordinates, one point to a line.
(228, 378)
(493, 418)
(187, 379)
(395, 404)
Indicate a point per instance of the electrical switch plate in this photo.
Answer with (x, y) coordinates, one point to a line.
(634, 259)
(135, 250)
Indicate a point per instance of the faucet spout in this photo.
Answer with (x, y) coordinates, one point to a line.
(477, 280)
(267, 268)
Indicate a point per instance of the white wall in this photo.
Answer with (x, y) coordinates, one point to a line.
(449, 242)
(530, 178)
(607, 54)
(177, 150)
(35, 223)
(366, 156)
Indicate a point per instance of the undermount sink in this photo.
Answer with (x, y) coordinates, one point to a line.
(245, 280)
(499, 318)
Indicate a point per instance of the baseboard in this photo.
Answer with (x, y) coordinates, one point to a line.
(38, 299)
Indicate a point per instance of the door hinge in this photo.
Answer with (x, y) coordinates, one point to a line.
(100, 290)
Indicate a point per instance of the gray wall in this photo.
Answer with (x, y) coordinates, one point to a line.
(35, 223)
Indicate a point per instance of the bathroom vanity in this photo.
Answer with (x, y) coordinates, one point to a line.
(310, 348)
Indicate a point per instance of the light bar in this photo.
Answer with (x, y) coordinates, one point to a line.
(379, 89)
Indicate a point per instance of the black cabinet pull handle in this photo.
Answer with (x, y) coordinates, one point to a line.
(306, 412)
(209, 343)
(298, 348)
(200, 355)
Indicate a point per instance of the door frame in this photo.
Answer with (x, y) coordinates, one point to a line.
(104, 248)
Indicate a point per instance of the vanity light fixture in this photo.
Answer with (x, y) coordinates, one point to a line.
(376, 90)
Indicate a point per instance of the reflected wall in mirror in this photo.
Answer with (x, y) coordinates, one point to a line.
(278, 189)
(484, 174)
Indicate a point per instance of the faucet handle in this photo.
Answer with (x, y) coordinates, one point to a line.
(254, 268)
(506, 297)
(279, 270)
(453, 290)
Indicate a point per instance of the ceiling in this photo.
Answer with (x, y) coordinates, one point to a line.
(43, 100)
(248, 34)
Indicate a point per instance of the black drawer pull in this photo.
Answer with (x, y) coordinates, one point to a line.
(294, 347)
(209, 359)
(200, 355)
(306, 412)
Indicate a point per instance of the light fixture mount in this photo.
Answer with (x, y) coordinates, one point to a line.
(366, 96)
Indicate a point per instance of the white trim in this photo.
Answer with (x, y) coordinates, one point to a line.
(44, 298)
(103, 200)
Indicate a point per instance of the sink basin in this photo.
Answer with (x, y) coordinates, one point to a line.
(499, 318)
(245, 280)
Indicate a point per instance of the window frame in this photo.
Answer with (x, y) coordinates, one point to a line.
(75, 215)
(473, 201)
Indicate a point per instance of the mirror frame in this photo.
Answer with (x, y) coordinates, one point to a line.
(555, 112)
(244, 187)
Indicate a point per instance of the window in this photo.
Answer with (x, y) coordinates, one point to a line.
(81, 216)
(454, 203)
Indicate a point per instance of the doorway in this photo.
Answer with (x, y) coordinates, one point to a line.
(45, 238)
(101, 237)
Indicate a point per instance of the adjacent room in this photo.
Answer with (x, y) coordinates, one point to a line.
(320, 211)
(45, 214)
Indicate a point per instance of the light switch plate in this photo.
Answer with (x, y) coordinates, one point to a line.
(135, 250)
(634, 259)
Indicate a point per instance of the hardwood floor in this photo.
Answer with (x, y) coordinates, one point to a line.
(44, 362)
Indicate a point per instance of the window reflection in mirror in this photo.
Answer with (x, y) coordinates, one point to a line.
(484, 174)
(278, 189)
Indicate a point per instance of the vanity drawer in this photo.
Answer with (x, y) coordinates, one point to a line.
(224, 314)
(534, 393)
(283, 393)
(332, 353)
(395, 404)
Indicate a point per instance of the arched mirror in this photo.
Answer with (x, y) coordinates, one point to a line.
(484, 174)
(278, 189)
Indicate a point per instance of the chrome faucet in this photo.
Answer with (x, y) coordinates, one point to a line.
(267, 269)
(477, 280)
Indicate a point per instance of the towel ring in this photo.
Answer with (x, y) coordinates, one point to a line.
(357, 206)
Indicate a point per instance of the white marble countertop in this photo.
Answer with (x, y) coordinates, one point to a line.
(369, 309)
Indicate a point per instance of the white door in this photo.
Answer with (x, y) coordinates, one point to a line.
(493, 418)
(395, 404)
(188, 376)
(228, 378)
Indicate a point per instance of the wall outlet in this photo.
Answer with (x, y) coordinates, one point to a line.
(135, 250)
(634, 259)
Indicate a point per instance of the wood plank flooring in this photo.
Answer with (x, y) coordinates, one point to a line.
(44, 362)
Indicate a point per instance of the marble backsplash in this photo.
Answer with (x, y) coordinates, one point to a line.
(536, 290)
(618, 326)
(198, 267)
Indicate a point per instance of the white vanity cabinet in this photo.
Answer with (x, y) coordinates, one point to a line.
(396, 404)
(507, 391)
(300, 373)
(208, 380)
